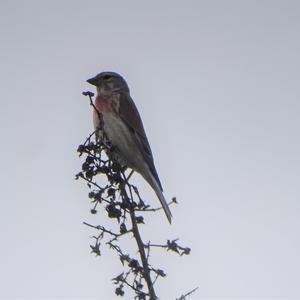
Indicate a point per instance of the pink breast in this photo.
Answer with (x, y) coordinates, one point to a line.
(103, 106)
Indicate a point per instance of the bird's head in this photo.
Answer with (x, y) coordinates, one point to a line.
(108, 83)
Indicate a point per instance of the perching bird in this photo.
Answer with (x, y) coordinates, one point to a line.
(123, 127)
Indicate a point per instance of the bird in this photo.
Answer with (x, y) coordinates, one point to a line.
(124, 129)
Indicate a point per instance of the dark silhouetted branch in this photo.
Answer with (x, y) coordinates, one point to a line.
(110, 188)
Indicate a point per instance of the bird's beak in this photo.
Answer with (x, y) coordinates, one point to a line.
(92, 81)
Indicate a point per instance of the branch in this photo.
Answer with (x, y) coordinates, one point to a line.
(183, 297)
(121, 201)
(140, 244)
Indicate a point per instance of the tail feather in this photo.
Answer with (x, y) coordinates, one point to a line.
(156, 187)
(164, 204)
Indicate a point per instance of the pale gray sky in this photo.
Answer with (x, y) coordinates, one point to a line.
(217, 85)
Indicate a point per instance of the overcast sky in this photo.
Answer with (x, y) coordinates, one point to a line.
(217, 86)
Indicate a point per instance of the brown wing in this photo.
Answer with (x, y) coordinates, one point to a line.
(130, 115)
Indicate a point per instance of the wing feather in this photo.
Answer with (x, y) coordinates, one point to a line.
(130, 115)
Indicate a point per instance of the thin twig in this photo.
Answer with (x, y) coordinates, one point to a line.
(183, 297)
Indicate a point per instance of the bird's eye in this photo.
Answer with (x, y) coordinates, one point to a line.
(106, 77)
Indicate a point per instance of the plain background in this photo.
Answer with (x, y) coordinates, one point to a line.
(217, 86)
